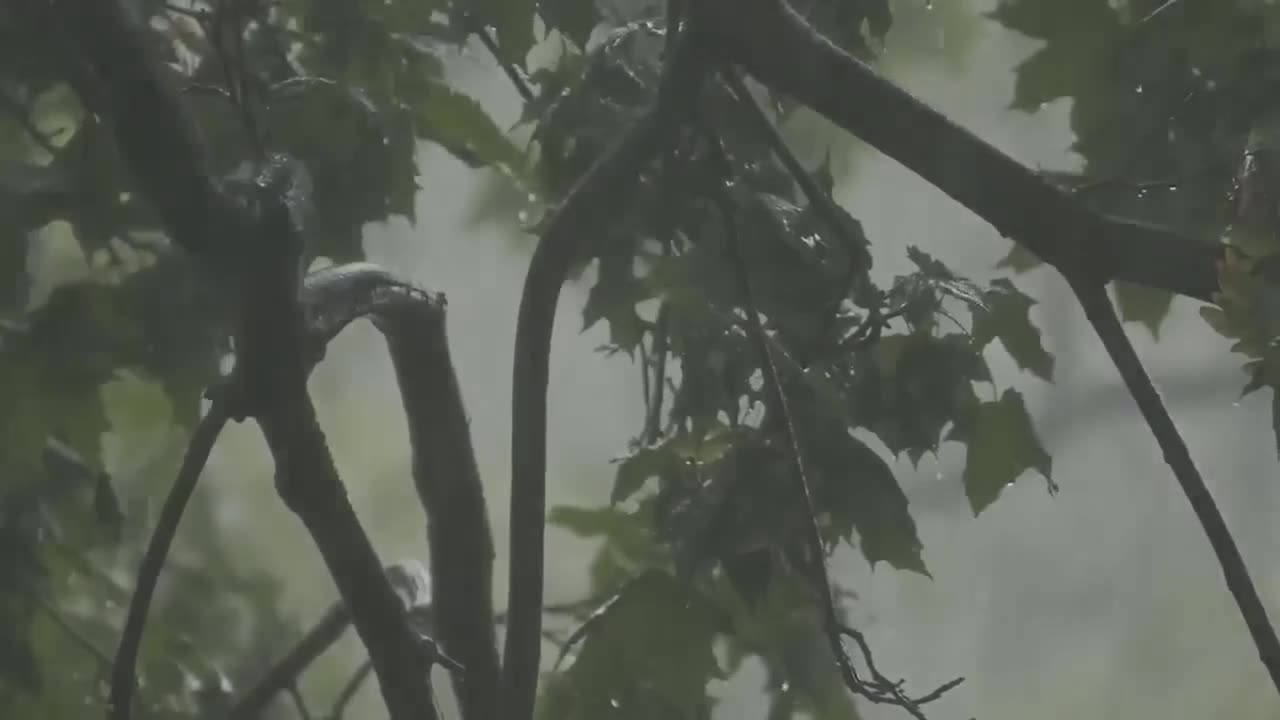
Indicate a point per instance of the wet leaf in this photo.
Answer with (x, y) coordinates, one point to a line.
(1002, 445)
(1006, 316)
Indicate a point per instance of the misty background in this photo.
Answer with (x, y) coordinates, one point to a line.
(1101, 601)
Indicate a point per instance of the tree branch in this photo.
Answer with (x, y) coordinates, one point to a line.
(258, 243)
(444, 465)
(1098, 309)
(123, 678)
(779, 48)
(285, 671)
(588, 205)
(880, 689)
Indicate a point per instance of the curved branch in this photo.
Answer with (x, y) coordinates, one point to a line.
(285, 671)
(779, 48)
(123, 669)
(594, 197)
(444, 465)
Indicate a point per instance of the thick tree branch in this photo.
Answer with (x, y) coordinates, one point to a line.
(589, 205)
(444, 465)
(273, 357)
(774, 44)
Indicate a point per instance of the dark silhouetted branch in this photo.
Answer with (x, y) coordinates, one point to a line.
(444, 465)
(1098, 309)
(123, 678)
(588, 206)
(780, 49)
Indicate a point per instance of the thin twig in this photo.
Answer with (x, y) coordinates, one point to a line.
(349, 690)
(299, 702)
(595, 617)
(123, 679)
(654, 400)
(198, 14)
(822, 203)
(645, 392)
(1102, 316)
(76, 636)
(882, 690)
(284, 673)
(1158, 11)
(517, 78)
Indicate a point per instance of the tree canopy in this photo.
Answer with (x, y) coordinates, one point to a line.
(201, 154)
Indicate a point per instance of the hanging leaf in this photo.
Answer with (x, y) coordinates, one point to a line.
(1002, 444)
(1006, 316)
(574, 18)
(1144, 305)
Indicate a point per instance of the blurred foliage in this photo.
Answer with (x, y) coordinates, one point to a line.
(696, 570)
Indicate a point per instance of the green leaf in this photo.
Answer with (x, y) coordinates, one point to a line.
(850, 23)
(1002, 444)
(616, 293)
(1078, 33)
(459, 124)
(574, 18)
(360, 160)
(857, 487)
(638, 467)
(907, 388)
(106, 507)
(50, 375)
(1007, 317)
(627, 533)
(1142, 304)
(511, 20)
(668, 457)
(1019, 260)
(649, 650)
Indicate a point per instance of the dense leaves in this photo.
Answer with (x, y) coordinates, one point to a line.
(700, 546)
(1174, 111)
(646, 652)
